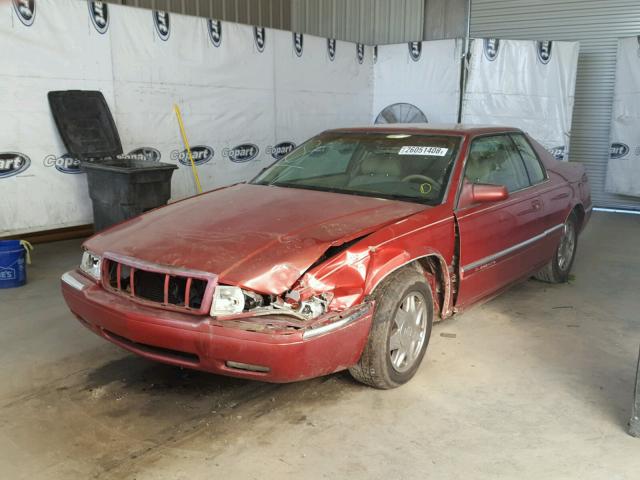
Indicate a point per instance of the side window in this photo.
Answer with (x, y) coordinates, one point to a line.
(531, 161)
(495, 160)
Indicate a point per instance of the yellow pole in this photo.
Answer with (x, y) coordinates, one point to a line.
(186, 144)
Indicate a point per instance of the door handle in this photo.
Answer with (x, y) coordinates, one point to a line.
(536, 204)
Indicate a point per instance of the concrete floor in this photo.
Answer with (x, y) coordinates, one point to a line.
(535, 384)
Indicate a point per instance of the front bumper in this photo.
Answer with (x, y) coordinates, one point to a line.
(207, 344)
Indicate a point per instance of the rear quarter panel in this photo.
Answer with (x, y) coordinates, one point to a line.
(568, 187)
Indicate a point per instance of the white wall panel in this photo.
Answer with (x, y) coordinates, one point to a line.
(41, 195)
(597, 25)
(314, 93)
(623, 172)
(524, 84)
(234, 96)
(430, 82)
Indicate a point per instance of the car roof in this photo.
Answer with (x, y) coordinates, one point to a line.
(443, 128)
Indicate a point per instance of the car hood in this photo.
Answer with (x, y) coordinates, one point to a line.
(259, 237)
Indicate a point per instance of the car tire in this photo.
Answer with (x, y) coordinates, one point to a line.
(558, 269)
(403, 315)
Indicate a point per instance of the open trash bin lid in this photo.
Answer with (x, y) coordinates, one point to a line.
(129, 166)
(120, 188)
(85, 124)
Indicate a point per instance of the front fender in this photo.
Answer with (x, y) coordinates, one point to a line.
(355, 273)
(353, 277)
(384, 264)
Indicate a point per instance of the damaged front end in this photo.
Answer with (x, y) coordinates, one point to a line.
(328, 296)
(186, 318)
(287, 322)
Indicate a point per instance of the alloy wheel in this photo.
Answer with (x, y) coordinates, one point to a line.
(408, 331)
(567, 246)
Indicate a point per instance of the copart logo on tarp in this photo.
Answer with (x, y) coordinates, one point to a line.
(281, 149)
(162, 23)
(298, 40)
(618, 150)
(360, 52)
(64, 164)
(201, 154)
(331, 48)
(215, 31)
(543, 49)
(558, 152)
(415, 50)
(260, 37)
(241, 153)
(148, 154)
(491, 46)
(99, 14)
(25, 10)
(13, 163)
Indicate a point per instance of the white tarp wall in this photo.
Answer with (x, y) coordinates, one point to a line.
(56, 49)
(247, 95)
(225, 94)
(234, 96)
(623, 170)
(425, 75)
(524, 84)
(316, 90)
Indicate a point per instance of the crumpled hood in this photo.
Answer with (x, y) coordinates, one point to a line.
(259, 237)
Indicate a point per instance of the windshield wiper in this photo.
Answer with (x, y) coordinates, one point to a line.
(385, 196)
(408, 198)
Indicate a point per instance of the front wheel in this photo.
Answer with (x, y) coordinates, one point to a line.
(557, 270)
(400, 331)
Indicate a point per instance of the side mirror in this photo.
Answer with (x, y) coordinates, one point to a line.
(473, 193)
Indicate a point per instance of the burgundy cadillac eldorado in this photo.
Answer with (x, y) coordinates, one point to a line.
(339, 256)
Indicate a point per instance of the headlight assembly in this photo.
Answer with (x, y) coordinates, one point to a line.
(230, 300)
(91, 264)
(227, 301)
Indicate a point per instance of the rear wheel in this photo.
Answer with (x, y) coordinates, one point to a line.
(557, 270)
(400, 331)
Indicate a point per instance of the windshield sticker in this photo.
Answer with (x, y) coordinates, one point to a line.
(425, 188)
(430, 151)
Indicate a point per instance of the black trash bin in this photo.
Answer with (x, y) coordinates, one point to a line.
(120, 188)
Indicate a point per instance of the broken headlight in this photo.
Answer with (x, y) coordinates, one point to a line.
(309, 309)
(228, 300)
(91, 264)
(313, 307)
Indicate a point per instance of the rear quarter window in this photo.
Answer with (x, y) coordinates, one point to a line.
(532, 163)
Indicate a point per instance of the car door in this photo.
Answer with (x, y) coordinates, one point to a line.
(556, 196)
(499, 241)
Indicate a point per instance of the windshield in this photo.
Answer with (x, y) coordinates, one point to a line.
(409, 167)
